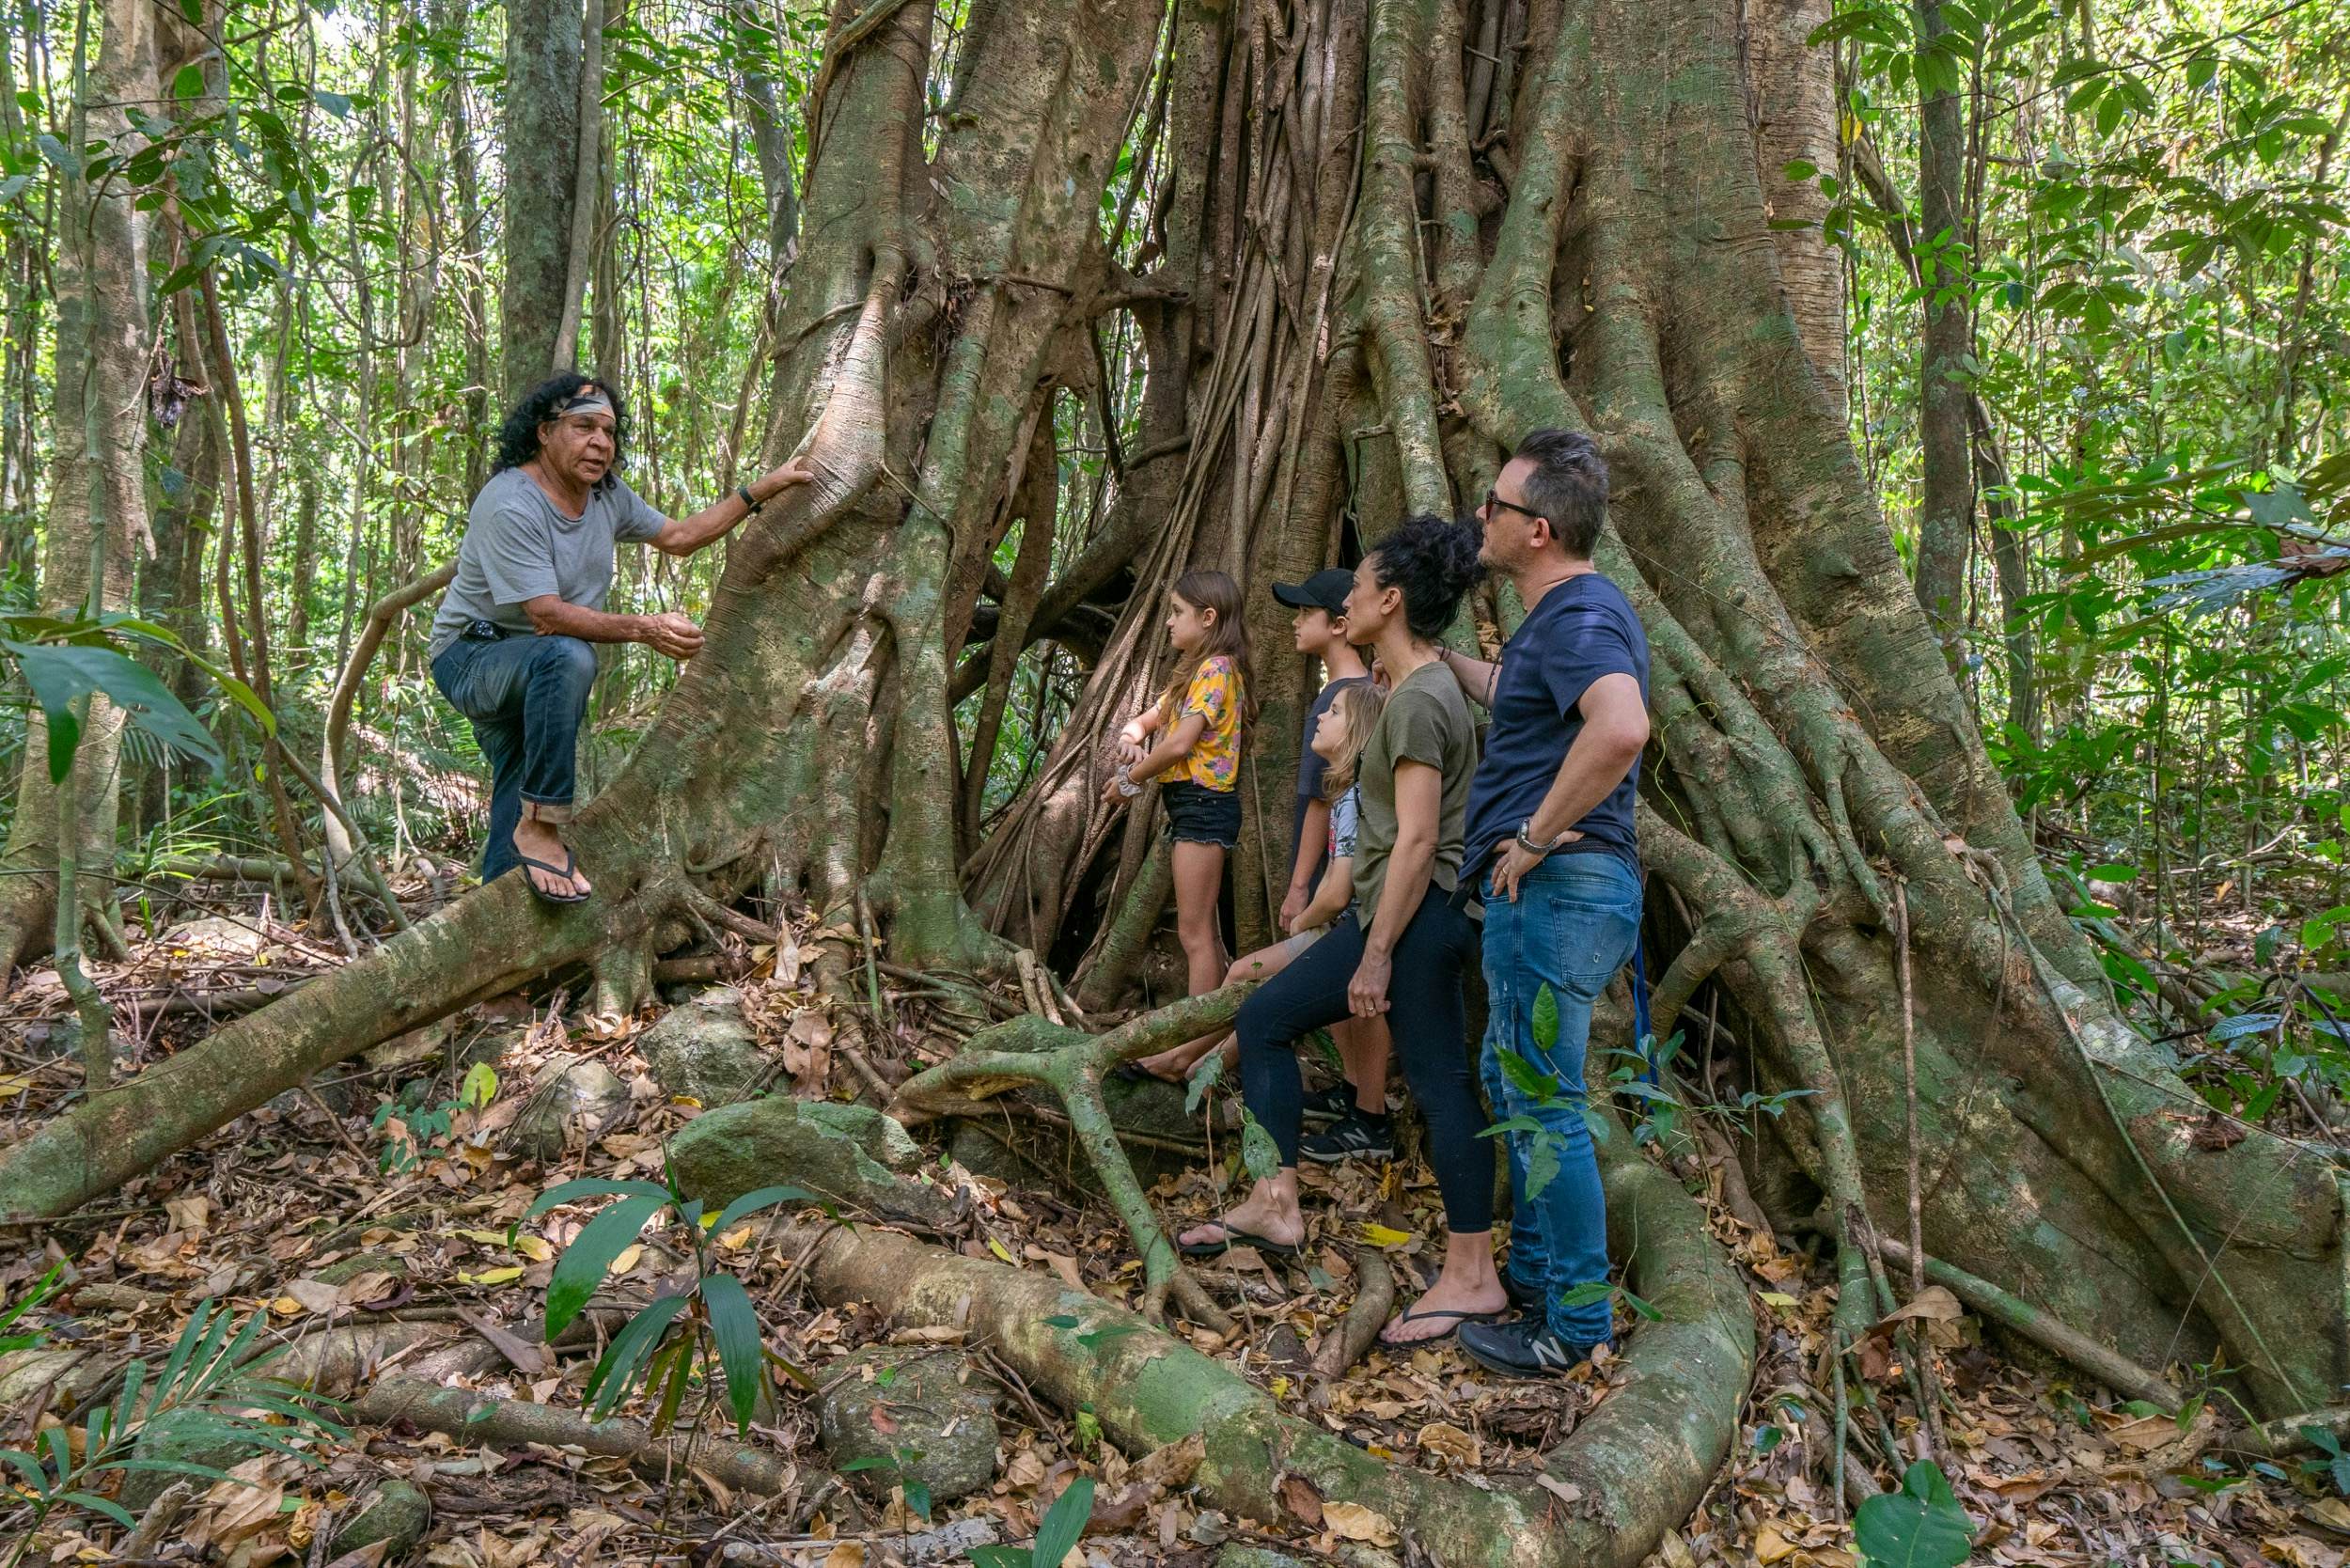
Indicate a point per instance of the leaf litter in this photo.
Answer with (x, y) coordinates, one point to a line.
(286, 1211)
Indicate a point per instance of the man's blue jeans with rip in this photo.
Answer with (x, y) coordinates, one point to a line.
(527, 697)
(1571, 928)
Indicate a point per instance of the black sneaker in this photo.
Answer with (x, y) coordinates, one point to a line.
(1523, 1347)
(1353, 1138)
(1334, 1103)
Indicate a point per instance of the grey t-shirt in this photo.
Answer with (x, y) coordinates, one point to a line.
(1427, 720)
(519, 545)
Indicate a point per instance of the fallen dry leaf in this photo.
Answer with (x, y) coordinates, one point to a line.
(1354, 1522)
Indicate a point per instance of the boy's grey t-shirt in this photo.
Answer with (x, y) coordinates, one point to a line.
(519, 545)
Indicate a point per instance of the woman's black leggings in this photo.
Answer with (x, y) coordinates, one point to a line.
(1431, 1030)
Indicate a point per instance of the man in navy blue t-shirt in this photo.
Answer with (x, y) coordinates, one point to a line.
(1550, 837)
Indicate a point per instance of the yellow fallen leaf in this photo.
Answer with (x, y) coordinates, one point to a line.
(1769, 1546)
(487, 1238)
(287, 1307)
(627, 1260)
(12, 1084)
(537, 1249)
(1281, 1388)
(491, 1277)
(1778, 1298)
(849, 1554)
(1002, 1251)
(1381, 1235)
(1354, 1522)
(738, 1238)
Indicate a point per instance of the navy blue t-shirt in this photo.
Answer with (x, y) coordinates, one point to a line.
(1579, 630)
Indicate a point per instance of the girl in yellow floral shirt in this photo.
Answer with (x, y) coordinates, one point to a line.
(1199, 718)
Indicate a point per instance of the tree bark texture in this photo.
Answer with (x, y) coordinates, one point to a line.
(1353, 300)
(1946, 504)
(541, 164)
(98, 513)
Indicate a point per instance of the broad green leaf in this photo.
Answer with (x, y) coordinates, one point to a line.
(751, 1202)
(1921, 1525)
(1258, 1154)
(1063, 1523)
(1545, 1019)
(589, 1187)
(616, 1372)
(61, 676)
(734, 1324)
(1542, 1164)
(581, 1268)
(1526, 1079)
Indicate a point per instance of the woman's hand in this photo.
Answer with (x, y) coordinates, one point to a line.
(1367, 992)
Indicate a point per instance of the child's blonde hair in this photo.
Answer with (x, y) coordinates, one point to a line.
(1357, 708)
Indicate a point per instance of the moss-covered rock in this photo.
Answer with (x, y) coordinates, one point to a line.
(704, 1049)
(935, 1421)
(852, 1154)
(399, 1513)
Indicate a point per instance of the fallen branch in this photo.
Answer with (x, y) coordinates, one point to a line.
(1374, 1299)
(2052, 1334)
(475, 1417)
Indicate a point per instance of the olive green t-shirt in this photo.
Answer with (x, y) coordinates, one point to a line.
(1426, 720)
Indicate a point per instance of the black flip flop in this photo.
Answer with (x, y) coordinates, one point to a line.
(1458, 1319)
(1234, 1236)
(1135, 1073)
(569, 866)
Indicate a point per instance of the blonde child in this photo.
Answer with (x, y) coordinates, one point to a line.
(1338, 740)
(1197, 761)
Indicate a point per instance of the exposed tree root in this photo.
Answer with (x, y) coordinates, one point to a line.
(1641, 1462)
(1030, 1050)
(2050, 1333)
(1374, 1301)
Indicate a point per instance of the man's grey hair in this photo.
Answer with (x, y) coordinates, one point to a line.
(1568, 486)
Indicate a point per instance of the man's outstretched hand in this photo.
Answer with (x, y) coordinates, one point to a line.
(777, 480)
(673, 635)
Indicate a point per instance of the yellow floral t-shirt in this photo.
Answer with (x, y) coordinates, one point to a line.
(1215, 694)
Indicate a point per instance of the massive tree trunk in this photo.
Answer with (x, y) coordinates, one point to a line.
(98, 483)
(1357, 291)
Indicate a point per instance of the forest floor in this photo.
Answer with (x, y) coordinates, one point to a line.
(375, 1196)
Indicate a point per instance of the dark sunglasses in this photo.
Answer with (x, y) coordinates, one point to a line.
(1494, 501)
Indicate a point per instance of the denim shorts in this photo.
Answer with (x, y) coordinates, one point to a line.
(1199, 815)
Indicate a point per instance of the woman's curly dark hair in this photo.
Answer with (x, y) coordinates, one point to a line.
(518, 437)
(1435, 562)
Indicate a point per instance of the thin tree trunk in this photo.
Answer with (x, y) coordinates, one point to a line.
(1946, 502)
(580, 259)
(543, 172)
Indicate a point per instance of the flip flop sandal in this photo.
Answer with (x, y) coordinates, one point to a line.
(571, 865)
(1135, 1073)
(1430, 1316)
(1233, 1237)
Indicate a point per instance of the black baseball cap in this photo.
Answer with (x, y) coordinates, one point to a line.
(1325, 589)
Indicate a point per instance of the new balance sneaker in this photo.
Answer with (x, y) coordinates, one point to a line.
(1522, 1347)
(1334, 1103)
(1353, 1138)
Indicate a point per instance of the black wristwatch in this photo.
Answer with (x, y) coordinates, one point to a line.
(1530, 847)
(749, 501)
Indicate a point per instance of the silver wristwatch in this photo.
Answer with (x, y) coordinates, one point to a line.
(1531, 847)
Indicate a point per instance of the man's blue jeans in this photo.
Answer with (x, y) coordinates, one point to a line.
(1570, 928)
(527, 697)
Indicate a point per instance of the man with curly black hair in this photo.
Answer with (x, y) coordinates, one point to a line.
(510, 640)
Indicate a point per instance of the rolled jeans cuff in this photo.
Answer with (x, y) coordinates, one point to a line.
(552, 812)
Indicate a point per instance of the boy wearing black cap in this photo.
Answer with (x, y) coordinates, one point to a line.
(1319, 602)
